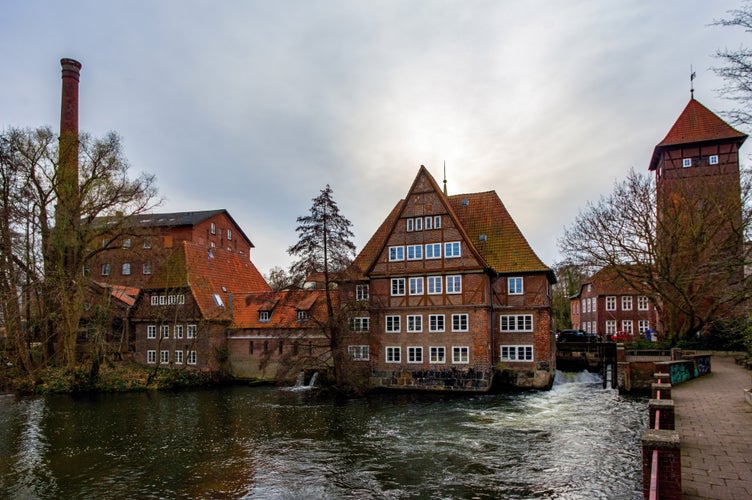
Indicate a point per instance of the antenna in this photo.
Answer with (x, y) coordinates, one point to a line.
(445, 185)
(692, 76)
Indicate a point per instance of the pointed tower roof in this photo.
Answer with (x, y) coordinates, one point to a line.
(696, 124)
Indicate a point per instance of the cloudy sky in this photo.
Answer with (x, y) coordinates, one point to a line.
(254, 106)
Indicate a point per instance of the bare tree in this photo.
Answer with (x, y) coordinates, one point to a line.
(569, 279)
(690, 259)
(736, 66)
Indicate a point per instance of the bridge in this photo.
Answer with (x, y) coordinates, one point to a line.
(596, 357)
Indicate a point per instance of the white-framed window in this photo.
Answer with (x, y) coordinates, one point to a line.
(460, 354)
(162, 300)
(588, 306)
(190, 332)
(419, 224)
(263, 316)
(626, 326)
(433, 251)
(164, 331)
(178, 331)
(213, 228)
(436, 323)
(178, 357)
(151, 356)
(713, 160)
(626, 303)
(517, 323)
(414, 323)
(218, 300)
(643, 326)
(393, 354)
(410, 224)
(416, 286)
(437, 354)
(392, 324)
(126, 269)
(428, 223)
(361, 292)
(192, 358)
(398, 286)
(452, 249)
(359, 352)
(164, 356)
(302, 315)
(611, 303)
(414, 354)
(151, 331)
(171, 299)
(360, 324)
(155, 300)
(434, 284)
(686, 162)
(414, 252)
(459, 322)
(514, 285)
(454, 283)
(127, 243)
(594, 300)
(105, 269)
(437, 221)
(181, 299)
(147, 268)
(396, 253)
(229, 234)
(643, 304)
(610, 327)
(516, 353)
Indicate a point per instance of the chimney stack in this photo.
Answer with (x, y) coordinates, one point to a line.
(69, 103)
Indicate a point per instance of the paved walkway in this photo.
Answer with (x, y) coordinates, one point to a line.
(715, 427)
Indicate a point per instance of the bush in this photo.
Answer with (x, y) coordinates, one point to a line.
(723, 335)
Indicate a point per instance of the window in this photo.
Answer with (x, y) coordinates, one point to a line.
(626, 326)
(106, 269)
(151, 356)
(516, 353)
(587, 308)
(164, 331)
(428, 223)
(359, 352)
(302, 316)
(171, 300)
(392, 324)
(178, 357)
(361, 292)
(178, 331)
(414, 323)
(218, 300)
(155, 300)
(460, 354)
(459, 322)
(190, 332)
(147, 243)
(514, 286)
(626, 303)
(610, 327)
(127, 243)
(414, 252)
(151, 331)
(360, 324)
(396, 253)
(452, 249)
(162, 300)
(517, 323)
(393, 354)
(147, 268)
(434, 284)
(191, 357)
(643, 326)
(416, 286)
(263, 316)
(454, 284)
(398, 286)
(611, 303)
(181, 299)
(410, 224)
(164, 356)
(213, 228)
(433, 250)
(594, 300)
(643, 304)
(435, 322)
(687, 162)
(414, 354)
(713, 160)
(229, 234)
(437, 354)
(419, 224)
(437, 221)
(126, 269)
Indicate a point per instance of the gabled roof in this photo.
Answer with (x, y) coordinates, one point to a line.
(209, 272)
(608, 281)
(284, 314)
(370, 252)
(696, 124)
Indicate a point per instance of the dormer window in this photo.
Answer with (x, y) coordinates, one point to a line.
(302, 316)
(687, 162)
(147, 243)
(264, 316)
(713, 160)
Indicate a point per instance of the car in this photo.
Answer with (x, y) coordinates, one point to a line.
(576, 336)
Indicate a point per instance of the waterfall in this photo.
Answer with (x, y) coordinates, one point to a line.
(312, 382)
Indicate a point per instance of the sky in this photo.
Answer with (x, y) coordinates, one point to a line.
(255, 106)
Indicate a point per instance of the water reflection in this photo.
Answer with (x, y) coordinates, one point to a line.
(575, 441)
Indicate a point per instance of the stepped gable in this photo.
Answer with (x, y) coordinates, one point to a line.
(495, 235)
(696, 124)
(282, 306)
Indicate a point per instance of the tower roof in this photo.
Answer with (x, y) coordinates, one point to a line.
(696, 124)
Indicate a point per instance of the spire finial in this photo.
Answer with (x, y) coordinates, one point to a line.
(445, 185)
(692, 76)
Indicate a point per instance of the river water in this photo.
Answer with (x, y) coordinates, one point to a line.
(575, 441)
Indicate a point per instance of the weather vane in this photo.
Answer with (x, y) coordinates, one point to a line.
(692, 76)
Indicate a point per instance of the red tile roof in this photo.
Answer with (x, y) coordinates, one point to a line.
(283, 314)
(608, 281)
(696, 124)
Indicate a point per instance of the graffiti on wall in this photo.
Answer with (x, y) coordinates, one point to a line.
(703, 364)
(680, 372)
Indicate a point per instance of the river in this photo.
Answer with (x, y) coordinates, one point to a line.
(575, 441)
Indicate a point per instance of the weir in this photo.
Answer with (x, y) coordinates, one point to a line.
(596, 357)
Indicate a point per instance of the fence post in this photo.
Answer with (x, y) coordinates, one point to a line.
(667, 477)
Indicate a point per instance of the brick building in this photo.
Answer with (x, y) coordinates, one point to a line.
(455, 296)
